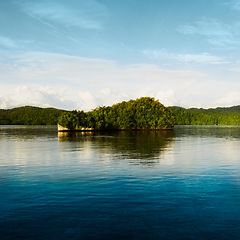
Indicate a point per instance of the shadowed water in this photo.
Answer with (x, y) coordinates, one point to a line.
(181, 184)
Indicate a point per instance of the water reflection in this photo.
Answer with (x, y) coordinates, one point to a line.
(230, 132)
(27, 133)
(144, 146)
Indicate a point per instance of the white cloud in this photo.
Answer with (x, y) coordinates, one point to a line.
(7, 42)
(54, 97)
(167, 96)
(216, 32)
(44, 79)
(208, 27)
(235, 69)
(87, 73)
(24, 95)
(81, 100)
(104, 97)
(81, 83)
(184, 58)
(12, 44)
(229, 99)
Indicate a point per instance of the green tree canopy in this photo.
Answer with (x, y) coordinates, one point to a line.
(142, 113)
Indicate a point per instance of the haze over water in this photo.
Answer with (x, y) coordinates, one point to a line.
(181, 184)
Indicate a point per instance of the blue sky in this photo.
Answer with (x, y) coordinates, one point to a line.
(79, 54)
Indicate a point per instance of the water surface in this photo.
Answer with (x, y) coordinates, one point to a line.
(181, 184)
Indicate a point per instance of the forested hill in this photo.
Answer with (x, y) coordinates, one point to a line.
(193, 116)
(211, 116)
(30, 116)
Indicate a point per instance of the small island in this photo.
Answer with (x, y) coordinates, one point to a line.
(144, 113)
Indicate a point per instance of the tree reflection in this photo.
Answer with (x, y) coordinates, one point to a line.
(227, 132)
(143, 146)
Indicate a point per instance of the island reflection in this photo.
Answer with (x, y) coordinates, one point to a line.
(208, 131)
(143, 146)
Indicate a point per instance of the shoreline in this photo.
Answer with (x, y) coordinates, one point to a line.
(64, 129)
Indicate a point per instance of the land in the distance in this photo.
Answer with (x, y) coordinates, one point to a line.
(29, 115)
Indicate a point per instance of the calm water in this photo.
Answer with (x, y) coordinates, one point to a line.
(181, 184)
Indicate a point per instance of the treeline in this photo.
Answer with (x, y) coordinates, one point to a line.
(211, 116)
(30, 116)
(142, 113)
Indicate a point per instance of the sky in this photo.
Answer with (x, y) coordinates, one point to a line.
(81, 54)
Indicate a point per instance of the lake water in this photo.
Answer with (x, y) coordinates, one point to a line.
(181, 184)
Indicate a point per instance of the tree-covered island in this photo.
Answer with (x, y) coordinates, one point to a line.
(141, 114)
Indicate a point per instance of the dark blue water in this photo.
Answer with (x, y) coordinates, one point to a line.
(181, 184)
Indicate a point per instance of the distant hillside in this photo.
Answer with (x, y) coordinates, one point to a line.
(30, 116)
(193, 116)
(211, 116)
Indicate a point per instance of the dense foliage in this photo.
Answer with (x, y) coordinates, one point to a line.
(30, 116)
(217, 116)
(142, 113)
